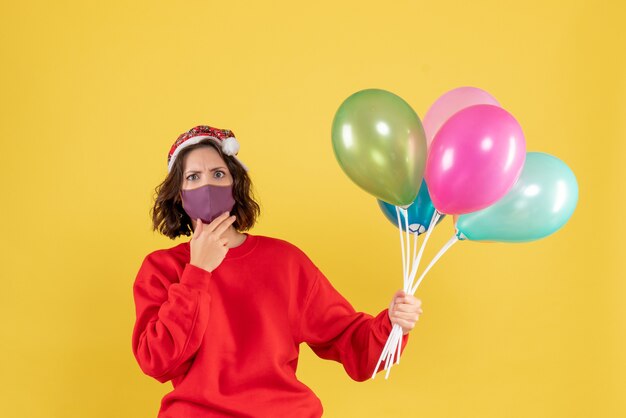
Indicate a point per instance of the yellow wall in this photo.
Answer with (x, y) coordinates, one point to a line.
(93, 95)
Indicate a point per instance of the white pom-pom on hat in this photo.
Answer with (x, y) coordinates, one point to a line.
(230, 146)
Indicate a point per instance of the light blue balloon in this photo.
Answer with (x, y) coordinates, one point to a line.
(539, 204)
(420, 212)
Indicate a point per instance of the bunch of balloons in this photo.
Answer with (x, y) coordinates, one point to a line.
(468, 160)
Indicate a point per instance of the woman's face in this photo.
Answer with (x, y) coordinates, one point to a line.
(203, 166)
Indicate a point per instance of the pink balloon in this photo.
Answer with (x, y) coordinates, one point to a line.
(475, 159)
(450, 103)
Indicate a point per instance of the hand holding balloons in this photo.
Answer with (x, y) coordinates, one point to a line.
(477, 169)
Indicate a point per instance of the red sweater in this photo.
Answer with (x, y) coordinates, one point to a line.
(229, 339)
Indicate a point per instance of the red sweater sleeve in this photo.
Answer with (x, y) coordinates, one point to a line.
(335, 331)
(171, 317)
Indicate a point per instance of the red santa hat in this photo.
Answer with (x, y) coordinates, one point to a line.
(223, 137)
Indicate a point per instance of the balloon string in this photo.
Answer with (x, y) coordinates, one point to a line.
(404, 267)
(415, 235)
(405, 259)
(441, 252)
(406, 281)
(399, 346)
(390, 351)
(433, 222)
(408, 243)
(393, 346)
(385, 351)
(390, 361)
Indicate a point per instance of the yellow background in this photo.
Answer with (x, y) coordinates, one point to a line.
(94, 94)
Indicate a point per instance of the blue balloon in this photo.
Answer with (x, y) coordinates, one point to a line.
(420, 212)
(539, 204)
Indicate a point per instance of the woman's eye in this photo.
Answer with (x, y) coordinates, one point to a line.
(221, 174)
(192, 175)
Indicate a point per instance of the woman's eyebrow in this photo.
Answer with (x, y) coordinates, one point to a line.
(198, 171)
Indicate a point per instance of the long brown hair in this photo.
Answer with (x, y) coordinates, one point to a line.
(170, 219)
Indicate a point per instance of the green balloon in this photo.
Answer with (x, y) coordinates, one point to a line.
(540, 203)
(379, 142)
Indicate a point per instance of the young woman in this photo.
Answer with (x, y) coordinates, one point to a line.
(223, 315)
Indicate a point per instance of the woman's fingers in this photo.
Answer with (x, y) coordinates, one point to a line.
(224, 226)
(408, 300)
(409, 316)
(405, 310)
(404, 307)
(216, 222)
(405, 325)
(399, 296)
(198, 230)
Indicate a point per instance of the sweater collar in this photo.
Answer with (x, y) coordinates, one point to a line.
(239, 251)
